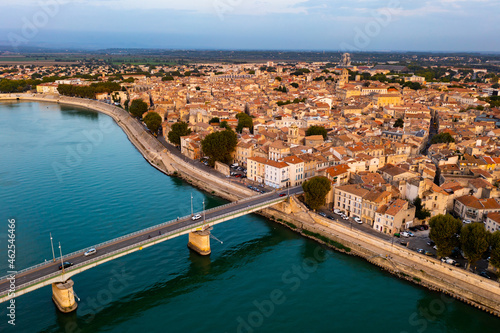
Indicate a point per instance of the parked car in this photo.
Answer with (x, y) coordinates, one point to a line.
(421, 251)
(90, 252)
(425, 226)
(485, 275)
(322, 214)
(429, 253)
(397, 234)
(431, 243)
(282, 194)
(65, 264)
(411, 234)
(467, 221)
(358, 220)
(413, 228)
(196, 217)
(345, 217)
(337, 211)
(331, 217)
(404, 243)
(405, 234)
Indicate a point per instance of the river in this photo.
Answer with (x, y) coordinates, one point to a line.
(73, 173)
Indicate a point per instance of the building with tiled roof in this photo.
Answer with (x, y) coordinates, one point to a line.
(471, 208)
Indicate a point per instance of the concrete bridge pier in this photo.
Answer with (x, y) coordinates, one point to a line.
(199, 241)
(63, 296)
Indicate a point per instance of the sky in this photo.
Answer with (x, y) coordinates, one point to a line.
(347, 25)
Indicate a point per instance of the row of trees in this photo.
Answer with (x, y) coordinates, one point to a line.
(88, 91)
(473, 239)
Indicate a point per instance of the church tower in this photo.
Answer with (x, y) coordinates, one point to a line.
(293, 135)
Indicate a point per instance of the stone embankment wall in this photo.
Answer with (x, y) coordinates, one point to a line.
(429, 272)
(149, 147)
(426, 271)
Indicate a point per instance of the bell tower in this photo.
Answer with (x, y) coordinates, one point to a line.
(293, 134)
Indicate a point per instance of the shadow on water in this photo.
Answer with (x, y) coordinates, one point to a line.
(201, 270)
(78, 112)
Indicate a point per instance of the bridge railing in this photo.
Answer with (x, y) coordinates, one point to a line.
(136, 245)
(134, 234)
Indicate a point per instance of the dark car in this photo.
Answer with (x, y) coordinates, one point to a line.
(457, 264)
(413, 228)
(485, 275)
(331, 217)
(404, 243)
(282, 194)
(429, 253)
(66, 264)
(421, 251)
(431, 243)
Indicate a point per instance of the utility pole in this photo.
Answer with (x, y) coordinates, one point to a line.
(191, 203)
(62, 264)
(52, 245)
(203, 211)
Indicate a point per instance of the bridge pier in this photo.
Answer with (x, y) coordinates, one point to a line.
(63, 296)
(199, 241)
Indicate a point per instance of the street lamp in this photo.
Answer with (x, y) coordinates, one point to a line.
(52, 245)
(203, 211)
(191, 203)
(62, 264)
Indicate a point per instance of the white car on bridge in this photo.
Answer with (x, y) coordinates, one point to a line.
(196, 217)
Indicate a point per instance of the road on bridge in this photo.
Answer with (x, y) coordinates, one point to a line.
(51, 267)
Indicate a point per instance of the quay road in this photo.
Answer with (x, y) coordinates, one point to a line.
(43, 274)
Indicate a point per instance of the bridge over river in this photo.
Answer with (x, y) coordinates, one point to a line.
(46, 273)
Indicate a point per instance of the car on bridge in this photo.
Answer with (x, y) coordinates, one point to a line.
(90, 252)
(196, 217)
(65, 264)
(282, 194)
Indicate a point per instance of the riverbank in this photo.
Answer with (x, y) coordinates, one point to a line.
(402, 262)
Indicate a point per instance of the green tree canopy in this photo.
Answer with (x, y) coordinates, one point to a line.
(442, 138)
(225, 125)
(176, 131)
(399, 123)
(294, 84)
(444, 232)
(244, 120)
(219, 146)
(214, 120)
(495, 249)
(153, 121)
(137, 108)
(317, 130)
(315, 191)
(475, 241)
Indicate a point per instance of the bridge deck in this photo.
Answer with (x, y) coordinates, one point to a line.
(44, 273)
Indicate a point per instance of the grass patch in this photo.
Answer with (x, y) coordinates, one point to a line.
(213, 192)
(417, 279)
(403, 274)
(291, 225)
(327, 240)
(279, 220)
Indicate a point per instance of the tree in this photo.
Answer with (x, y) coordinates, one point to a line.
(399, 123)
(219, 146)
(442, 138)
(278, 78)
(495, 249)
(153, 121)
(244, 120)
(295, 85)
(225, 125)
(475, 241)
(317, 130)
(420, 212)
(178, 130)
(138, 107)
(315, 191)
(444, 232)
(214, 120)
